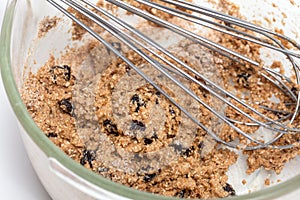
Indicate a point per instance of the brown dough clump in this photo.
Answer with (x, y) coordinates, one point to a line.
(64, 92)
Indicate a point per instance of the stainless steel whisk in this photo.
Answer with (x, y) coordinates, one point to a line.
(231, 26)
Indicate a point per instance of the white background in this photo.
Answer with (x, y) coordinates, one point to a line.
(18, 180)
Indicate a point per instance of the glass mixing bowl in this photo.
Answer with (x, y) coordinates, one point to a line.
(62, 177)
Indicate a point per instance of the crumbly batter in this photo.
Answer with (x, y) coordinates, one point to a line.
(192, 173)
(47, 24)
(100, 113)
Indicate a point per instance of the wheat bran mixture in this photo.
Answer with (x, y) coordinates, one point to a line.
(120, 140)
(47, 24)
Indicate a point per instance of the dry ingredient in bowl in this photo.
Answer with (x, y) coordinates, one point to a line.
(47, 24)
(64, 92)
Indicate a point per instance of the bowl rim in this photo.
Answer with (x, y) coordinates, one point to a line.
(51, 150)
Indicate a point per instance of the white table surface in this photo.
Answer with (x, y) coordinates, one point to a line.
(18, 180)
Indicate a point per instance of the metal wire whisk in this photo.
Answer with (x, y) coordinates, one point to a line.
(213, 20)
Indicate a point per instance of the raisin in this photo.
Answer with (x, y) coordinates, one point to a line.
(66, 106)
(149, 177)
(156, 101)
(228, 188)
(244, 75)
(200, 149)
(294, 90)
(137, 125)
(171, 135)
(52, 134)
(279, 113)
(188, 152)
(171, 110)
(228, 24)
(127, 68)
(135, 99)
(66, 72)
(110, 127)
(243, 79)
(88, 156)
(182, 193)
(185, 193)
(138, 107)
(154, 136)
(201, 145)
(147, 141)
(103, 169)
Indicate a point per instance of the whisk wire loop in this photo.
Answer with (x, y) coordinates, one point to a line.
(181, 72)
(224, 28)
(122, 36)
(141, 41)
